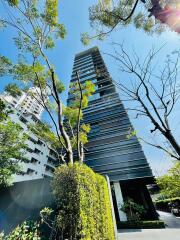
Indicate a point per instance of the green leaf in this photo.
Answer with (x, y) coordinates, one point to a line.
(5, 65)
(85, 39)
(12, 150)
(61, 31)
(59, 86)
(13, 3)
(51, 12)
(13, 90)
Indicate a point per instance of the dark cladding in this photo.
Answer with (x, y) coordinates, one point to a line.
(109, 150)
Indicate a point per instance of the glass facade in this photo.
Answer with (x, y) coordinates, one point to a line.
(109, 150)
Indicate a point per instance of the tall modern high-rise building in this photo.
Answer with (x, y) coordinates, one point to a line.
(109, 150)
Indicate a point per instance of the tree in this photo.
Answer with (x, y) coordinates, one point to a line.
(133, 210)
(151, 93)
(38, 30)
(149, 15)
(170, 183)
(13, 90)
(12, 147)
(83, 205)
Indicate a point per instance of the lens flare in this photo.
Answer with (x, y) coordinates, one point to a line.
(169, 15)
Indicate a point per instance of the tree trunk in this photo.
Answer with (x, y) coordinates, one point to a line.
(173, 142)
(65, 136)
(81, 155)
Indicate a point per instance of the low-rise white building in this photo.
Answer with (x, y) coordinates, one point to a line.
(41, 158)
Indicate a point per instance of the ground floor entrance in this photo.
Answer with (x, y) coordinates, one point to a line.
(138, 192)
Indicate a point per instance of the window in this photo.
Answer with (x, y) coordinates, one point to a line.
(91, 66)
(32, 139)
(39, 142)
(94, 97)
(30, 150)
(82, 65)
(49, 169)
(33, 160)
(37, 151)
(22, 119)
(53, 153)
(30, 171)
(34, 118)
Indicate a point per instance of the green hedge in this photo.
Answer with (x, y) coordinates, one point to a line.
(141, 224)
(164, 204)
(84, 210)
(167, 200)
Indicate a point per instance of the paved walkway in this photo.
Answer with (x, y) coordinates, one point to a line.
(170, 220)
(171, 232)
(149, 234)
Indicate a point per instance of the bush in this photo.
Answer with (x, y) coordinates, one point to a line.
(26, 231)
(164, 204)
(84, 209)
(141, 224)
(133, 210)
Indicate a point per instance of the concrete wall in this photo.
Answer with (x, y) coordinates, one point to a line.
(23, 201)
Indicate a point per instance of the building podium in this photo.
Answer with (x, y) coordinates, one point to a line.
(119, 200)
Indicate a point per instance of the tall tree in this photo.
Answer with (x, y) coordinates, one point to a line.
(12, 147)
(152, 93)
(38, 31)
(170, 183)
(149, 15)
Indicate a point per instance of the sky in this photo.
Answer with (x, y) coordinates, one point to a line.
(74, 14)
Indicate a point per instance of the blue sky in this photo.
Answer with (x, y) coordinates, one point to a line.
(74, 14)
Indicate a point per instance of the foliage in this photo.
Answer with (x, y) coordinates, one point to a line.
(141, 225)
(38, 30)
(149, 15)
(133, 210)
(3, 111)
(26, 231)
(169, 184)
(168, 200)
(12, 147)
(84, 210)
(13, 90)
(164, 205)
(5, 65)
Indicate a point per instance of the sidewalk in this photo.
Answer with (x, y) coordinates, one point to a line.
(149, 234)
(171, 232)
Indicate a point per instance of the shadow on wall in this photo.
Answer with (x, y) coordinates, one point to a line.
(23, 201)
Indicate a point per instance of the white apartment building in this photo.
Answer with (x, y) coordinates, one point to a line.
(28, 102)
(41, 158)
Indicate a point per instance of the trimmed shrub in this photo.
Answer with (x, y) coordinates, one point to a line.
(25, 231)
(164, 204)
(84, 209)
(141, 224)
(133, 210)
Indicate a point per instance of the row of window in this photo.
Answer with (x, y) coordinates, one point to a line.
(82, 62)
(89, 66)
(82, 59)
(83, 71)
